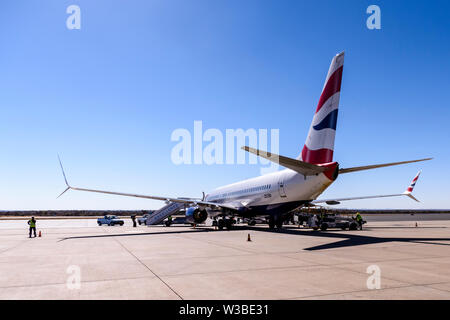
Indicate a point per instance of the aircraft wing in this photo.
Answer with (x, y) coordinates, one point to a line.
(190, 201)
(407, 193)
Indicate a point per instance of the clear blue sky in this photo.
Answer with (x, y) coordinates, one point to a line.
(107, 97)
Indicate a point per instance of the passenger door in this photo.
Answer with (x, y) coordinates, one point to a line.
(281, 189)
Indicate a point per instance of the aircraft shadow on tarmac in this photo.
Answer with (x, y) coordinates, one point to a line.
(349, 240)
(138, 234)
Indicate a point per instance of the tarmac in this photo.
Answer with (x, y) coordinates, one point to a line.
(76, 259)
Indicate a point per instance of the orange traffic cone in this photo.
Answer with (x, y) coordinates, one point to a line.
(39, 234)
(248, 237)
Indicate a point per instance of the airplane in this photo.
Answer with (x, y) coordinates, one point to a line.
(276, 195)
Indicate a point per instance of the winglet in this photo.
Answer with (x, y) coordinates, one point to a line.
(63, 192)
(65, 179)
(410, 188)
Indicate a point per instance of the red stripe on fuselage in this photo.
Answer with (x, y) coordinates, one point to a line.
(333, 85)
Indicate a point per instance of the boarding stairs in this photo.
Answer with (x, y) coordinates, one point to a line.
(159, 215)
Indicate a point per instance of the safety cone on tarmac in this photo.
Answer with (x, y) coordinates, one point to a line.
(248, 237)
(39, 234)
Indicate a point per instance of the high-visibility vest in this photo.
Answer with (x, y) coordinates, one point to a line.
(32, 224)
(358, 217)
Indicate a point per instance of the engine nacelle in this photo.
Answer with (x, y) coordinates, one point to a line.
(196, 215)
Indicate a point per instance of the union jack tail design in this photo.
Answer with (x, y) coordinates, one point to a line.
(413, 183)
(319, 143)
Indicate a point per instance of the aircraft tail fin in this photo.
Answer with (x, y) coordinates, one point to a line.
(319, 144)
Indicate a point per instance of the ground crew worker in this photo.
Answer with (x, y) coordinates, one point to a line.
(169, 220)
(314, 222)
(322, 215)
(32, 223)
(359, 220)
(133, 217)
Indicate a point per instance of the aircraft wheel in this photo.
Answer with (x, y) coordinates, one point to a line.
(324, 227)
(229, 224)
(271, 223)
(220, 224)
(280, 224)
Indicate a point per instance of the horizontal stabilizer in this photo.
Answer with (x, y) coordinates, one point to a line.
(304, 168)
(374, 166)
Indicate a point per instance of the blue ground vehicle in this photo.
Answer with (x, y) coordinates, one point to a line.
(110, 221)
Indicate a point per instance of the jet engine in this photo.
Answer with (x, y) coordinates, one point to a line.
(196, 215)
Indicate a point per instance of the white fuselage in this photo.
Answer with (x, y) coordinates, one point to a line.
(276, 188)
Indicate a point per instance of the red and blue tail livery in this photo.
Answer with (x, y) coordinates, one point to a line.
(319, 145)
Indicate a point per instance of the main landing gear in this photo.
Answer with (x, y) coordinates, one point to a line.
(275, 222)
(225, 223)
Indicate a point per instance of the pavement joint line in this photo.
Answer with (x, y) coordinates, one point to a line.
(63, 283)
(216, 244)
(165, 283)
(14, 247)
(369, 290)
(374, 261)
(414, 244)
(432, 284)
(260, 269)
(199, 257)
(340, 267)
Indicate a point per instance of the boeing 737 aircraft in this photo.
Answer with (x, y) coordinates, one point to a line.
(276, 194)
